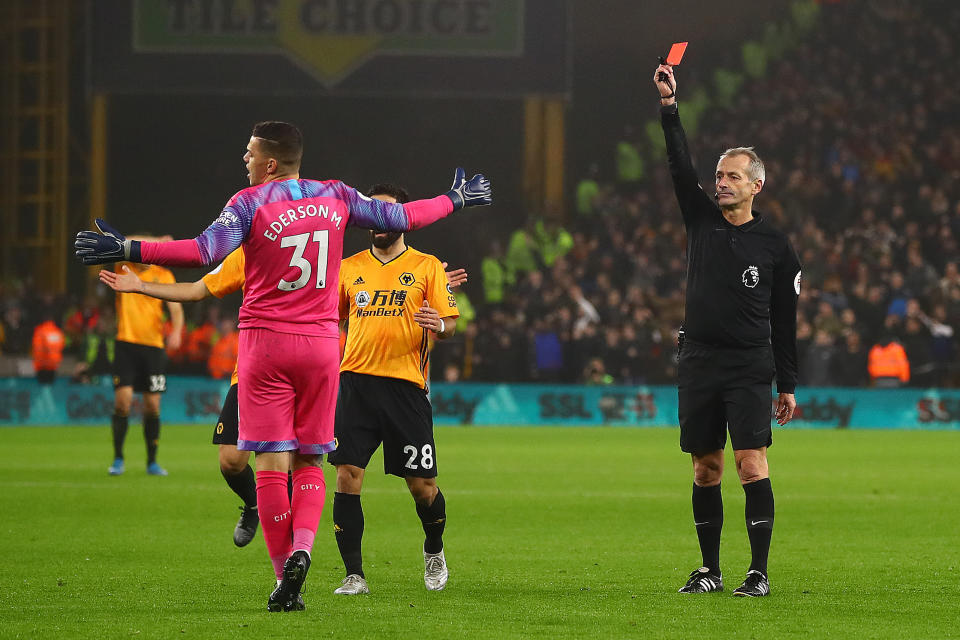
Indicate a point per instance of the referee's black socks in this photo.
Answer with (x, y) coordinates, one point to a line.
(118, 425)
(708, 518)
(433, 518)
(759, 516)
(348, 526)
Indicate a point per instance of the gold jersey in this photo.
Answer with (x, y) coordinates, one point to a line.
(378, 300)
(140, 317)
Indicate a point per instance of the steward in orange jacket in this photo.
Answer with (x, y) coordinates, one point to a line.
(48, 342)
(223, 357)
(888, 365)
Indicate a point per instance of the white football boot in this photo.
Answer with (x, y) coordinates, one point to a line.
(352, 585)
(435, 572)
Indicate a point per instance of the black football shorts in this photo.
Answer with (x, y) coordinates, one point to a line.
(140, 366)
(721, 389)
(374, 409)
(228, 424)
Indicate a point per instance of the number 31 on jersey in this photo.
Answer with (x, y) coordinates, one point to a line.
(299, 244)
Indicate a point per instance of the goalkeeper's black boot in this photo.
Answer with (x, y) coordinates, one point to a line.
(754, 585)
(294, 575)
(276, 602)
(702, 580)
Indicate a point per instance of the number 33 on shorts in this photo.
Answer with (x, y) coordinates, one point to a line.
(426, 457)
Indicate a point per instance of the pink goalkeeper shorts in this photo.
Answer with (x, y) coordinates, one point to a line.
(287, 391)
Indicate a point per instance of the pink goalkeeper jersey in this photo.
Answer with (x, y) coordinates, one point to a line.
(292, 235)
(292, 285)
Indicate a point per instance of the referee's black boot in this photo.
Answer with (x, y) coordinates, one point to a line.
(702, 580)
(246, 527)
(754, 585)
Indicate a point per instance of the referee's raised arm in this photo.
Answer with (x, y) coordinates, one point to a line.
(694, 203)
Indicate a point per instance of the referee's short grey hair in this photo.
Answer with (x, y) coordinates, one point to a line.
(755, 170)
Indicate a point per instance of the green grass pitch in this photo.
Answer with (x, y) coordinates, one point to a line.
(552, 533)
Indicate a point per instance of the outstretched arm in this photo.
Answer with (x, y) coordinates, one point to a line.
(223, 236)
(128, 282)
(370, 213)
(694, 203)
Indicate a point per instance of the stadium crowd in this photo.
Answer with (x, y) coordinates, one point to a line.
(209, 340)
(862, 161)
(857, 129)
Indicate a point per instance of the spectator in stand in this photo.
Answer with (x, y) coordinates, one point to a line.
(99, 347)
(588, 194)
(850, 363)
(816, 368)
(549, 352)
(942, 344)
(595, 374)
(16, 338)
(949, 284)
(899, 295)
(521, 254)
(833, 293)
(872, 311)
(223, 356)
(200, 342)
(465, 308)
(48, 343)
(887, 364)
(629, 163)
(920, 275)
(494, 275)
(552, 240)
(81, 321)
(918, 347)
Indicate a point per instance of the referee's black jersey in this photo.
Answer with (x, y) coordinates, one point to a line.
(742, 281)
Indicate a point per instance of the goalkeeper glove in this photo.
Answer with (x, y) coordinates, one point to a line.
(107, 245)
(474, 192)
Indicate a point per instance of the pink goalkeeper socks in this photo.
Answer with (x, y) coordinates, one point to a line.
(309, 489)
(276, 520)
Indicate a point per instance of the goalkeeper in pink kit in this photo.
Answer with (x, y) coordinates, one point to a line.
(292, 231)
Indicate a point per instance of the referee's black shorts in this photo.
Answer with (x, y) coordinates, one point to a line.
(375, 409)
(228, 425)
(721, 389)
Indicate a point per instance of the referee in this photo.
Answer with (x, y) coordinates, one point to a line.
(740, 331)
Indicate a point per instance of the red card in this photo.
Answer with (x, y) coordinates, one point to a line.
(676, 53)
